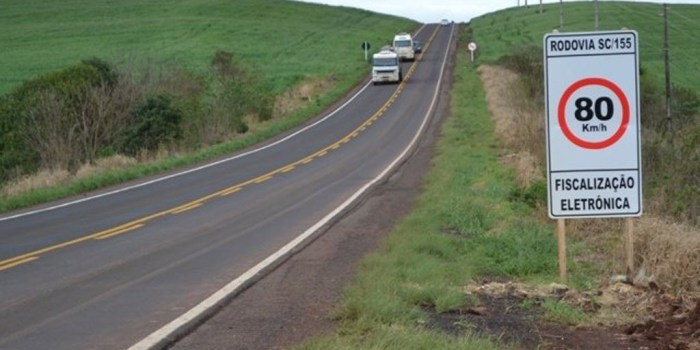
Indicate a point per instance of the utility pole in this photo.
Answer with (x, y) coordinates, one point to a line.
(526, 4)
(561, 15)
(667, 68)
(541, 10)
(596, 14)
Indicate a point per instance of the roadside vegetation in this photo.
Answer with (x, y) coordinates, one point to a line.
(157, 86)
(474, 266)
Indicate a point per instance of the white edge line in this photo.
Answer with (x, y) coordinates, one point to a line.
(197, 168)
(190, 170)
(162, 336)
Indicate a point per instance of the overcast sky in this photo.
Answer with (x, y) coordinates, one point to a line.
(429, 11)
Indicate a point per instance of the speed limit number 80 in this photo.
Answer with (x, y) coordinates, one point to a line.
(587, 111)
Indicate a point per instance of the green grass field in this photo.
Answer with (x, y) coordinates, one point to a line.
(499, 32)
(283, 40)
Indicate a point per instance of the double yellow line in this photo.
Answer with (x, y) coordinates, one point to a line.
(141, 222)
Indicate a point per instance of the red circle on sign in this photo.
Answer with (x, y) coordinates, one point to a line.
(620, 96)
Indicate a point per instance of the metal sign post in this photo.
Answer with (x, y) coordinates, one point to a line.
(366, 46)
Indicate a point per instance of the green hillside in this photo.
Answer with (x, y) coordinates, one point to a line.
(283, 40)
(497, 33)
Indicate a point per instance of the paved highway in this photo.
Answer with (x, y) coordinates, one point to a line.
(109, 269)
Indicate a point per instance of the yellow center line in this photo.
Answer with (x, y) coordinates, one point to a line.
(185, 208)
(262, 179)
(288, 168)
(138, 223)
(9, 265)
(230, 191)
(113, 233)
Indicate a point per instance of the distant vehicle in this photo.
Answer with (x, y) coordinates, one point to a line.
(403, 46)
(444, 22)
(386, 67)
(417, 46)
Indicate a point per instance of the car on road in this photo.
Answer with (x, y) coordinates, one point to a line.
(417, 46)
(444, 22)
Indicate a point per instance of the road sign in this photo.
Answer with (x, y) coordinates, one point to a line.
(366, 46)
(472, 47)
(593, 132)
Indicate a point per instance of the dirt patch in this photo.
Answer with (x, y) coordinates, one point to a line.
(512, 313)
(675, 327)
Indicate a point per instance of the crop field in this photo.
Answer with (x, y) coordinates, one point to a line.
(284, 41)
(499, 32)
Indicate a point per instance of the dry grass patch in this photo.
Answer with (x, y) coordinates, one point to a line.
(519, 127)
(104, 165)
(51, 178)
(668, 255)
(42, 179)
(302, 94)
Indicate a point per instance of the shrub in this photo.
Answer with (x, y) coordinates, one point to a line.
(39, 120)
(155, 122)
(527, 61)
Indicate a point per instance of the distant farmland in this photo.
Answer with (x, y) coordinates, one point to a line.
(497, 33)
(283, 40)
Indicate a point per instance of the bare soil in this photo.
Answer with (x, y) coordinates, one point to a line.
(499, 314)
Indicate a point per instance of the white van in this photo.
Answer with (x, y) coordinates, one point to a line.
(386, 67)
(403, 45)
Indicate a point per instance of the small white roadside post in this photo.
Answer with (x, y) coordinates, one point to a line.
(472, 47)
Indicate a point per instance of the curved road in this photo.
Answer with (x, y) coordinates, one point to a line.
(106, 272)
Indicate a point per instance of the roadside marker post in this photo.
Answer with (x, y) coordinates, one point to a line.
(593, 130)
(472, 47)
(366, 46)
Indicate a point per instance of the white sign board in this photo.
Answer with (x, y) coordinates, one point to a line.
(593, 137)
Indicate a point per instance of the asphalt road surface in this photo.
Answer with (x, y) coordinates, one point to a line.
(117, 268)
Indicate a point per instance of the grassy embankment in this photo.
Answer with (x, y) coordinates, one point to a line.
(305, 55)
(482, 214)
(502, 31)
